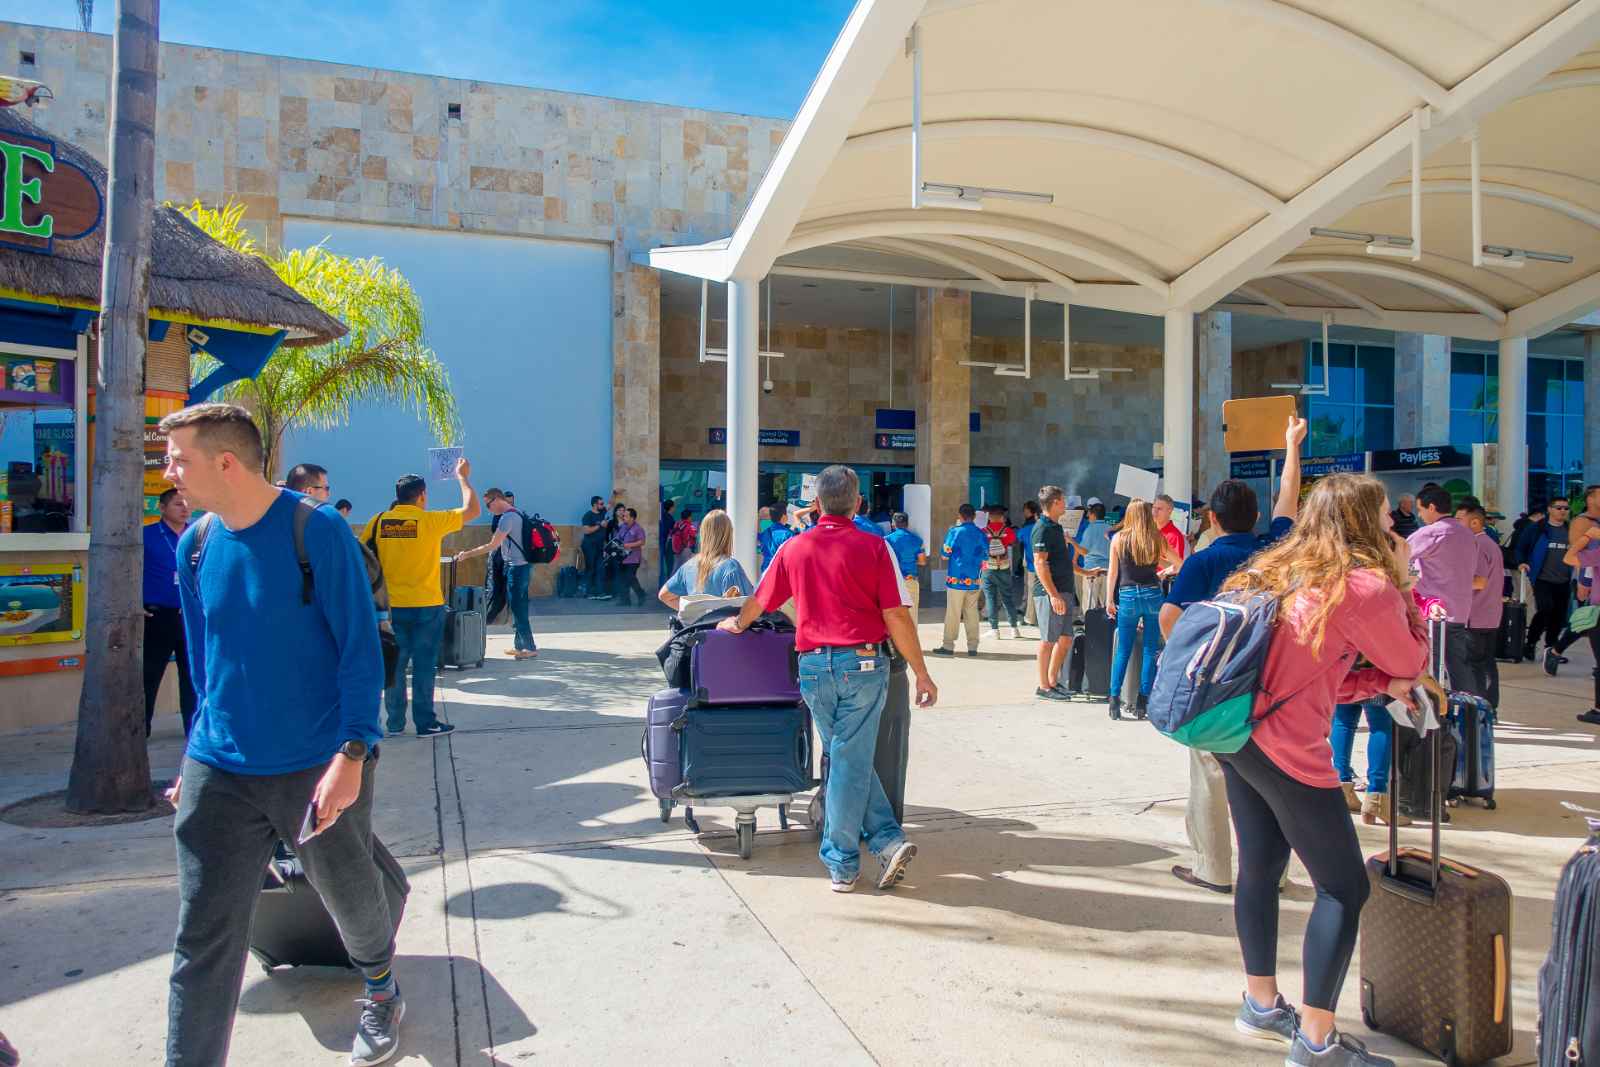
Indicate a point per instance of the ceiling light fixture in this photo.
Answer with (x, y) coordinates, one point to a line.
(1378, 244)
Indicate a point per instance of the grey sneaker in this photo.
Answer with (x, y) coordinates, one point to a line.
(1051, 694)
(1277, 1023)
(894, 863)
(1342, 1051)
(378, 1030)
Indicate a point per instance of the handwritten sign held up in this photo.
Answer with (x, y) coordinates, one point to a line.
(1137, 482)
(442, 463)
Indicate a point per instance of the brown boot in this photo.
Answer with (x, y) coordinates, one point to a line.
(1351, 801)
(1375, 809)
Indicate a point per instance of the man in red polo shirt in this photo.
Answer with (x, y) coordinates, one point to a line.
(848, 598)
(1161, 510)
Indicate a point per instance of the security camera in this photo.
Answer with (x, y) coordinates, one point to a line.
(766, 386)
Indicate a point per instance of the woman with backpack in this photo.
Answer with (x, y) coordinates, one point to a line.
(1341, 584)
(712, 570)
(1138, 555)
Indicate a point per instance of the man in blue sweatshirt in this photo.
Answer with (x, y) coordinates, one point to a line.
(965, 551)
(287, 672)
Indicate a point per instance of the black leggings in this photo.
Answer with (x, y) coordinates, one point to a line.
(1551, 603)
(1568, 639)
(1273, 813)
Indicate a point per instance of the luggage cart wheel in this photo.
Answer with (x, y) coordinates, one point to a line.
(814, 811)
(690, 821)
(666, 810)
(747, 838)
(1488, 803)
(480, 663)
(783, 816)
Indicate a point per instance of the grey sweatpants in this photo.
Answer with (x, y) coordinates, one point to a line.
(226, 828)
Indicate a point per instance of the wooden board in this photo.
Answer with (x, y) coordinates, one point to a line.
(1257, 424)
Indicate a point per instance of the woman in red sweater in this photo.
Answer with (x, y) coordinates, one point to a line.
(1341, 581)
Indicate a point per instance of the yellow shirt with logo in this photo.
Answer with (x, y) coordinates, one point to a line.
(409, 546)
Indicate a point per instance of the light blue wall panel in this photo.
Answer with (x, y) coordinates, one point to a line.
(524, 326)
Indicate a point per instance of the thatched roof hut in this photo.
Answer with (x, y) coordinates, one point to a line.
(191, 276)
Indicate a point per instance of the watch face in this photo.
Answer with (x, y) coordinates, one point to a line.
(354, 749)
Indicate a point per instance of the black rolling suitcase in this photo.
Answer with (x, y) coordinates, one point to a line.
(466, 636)
(291, 926)
(1436, 936)
(893, 752)
(1510, 642)
(1569, 981)
(1075, 662)
(1098, 636)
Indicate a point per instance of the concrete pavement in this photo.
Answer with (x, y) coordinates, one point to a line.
(554, 916)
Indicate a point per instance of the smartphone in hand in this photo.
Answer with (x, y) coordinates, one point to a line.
(308, 828)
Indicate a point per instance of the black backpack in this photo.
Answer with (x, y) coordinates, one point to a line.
(540, 542)
(369, 551)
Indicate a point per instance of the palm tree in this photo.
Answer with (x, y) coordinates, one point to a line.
(383, 358)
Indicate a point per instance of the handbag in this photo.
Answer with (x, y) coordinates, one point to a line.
(1584, 619)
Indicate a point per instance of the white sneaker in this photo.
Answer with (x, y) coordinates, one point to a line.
(894, 863)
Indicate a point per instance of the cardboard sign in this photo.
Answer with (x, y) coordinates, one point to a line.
(1257, 424)
(1137, 482)
(442, 463)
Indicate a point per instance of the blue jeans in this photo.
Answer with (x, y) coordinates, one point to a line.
(1379, 738)
(1136, 604)
(418, 632)
(846, 694)
(517, 599)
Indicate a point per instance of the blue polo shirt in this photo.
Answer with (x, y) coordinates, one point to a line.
(966, 549)
(1204, 572)
(160, 565)
(1025, 539)
(906, 546)
(866, 525)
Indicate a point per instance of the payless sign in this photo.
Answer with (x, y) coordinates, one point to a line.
(43, 197)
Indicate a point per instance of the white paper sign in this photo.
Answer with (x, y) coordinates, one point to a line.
(717, 480)
(808, 488)
(1071, 519)
(442, 463)
(1137, 482)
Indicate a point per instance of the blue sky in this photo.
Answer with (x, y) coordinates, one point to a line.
(757, 58)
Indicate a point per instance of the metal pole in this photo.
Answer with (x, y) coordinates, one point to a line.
(914, 46)
(744, 425)
(1177, 423)
(1513, 450)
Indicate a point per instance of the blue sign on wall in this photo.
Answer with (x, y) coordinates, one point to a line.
(718, 435)
(894, 441)
(1348, 463)
(896, 419)
(1250, 465)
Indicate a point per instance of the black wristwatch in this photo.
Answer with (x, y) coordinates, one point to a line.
(354, 750)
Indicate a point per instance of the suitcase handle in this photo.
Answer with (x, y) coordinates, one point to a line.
(1391, 879)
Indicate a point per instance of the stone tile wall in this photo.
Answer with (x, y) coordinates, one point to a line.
(943, 391)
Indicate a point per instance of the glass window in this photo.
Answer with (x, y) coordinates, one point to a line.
(1540, 456)
(1377, 429)
(1572, 443)
(38, 444)
(1546, 385)
(1466, 428)
(1466, 381)
(1376, 383)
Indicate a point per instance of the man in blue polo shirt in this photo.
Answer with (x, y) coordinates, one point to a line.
(1234, 510)
(908, 552)
(965, 552)
(848, 599)
(163, 618)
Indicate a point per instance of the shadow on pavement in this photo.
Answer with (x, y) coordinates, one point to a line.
(323, 997)
(509, 900)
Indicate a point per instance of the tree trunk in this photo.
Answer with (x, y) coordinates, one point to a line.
(110, 763)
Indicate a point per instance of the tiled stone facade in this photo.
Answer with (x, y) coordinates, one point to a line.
(1213, 340)
(943, 391)
(1071, 434)
(1421, 389)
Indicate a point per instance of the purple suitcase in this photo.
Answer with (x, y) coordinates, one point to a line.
(660, 744)
(755, 667)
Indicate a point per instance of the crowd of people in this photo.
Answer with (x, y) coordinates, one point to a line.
(270, 574)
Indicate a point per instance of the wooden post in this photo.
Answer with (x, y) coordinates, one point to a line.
(110, 763)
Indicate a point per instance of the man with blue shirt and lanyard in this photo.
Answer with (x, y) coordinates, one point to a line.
(163, 617)
(287, 671)
(965, 552)
(907, 548)
(1234, 510)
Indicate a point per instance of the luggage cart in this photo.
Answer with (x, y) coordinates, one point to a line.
(745, 808)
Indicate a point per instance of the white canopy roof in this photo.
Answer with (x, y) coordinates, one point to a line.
(1190, 146)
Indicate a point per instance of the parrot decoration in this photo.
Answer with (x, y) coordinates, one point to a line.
(14, 91)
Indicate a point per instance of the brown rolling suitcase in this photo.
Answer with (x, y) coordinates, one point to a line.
(1436, 941)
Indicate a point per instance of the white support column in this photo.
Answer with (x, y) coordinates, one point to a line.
(1512, 455)
(1177, 423)
(744, 421)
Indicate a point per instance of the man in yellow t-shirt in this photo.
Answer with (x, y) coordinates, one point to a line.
(409, 539)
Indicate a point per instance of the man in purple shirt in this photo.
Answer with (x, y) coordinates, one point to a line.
(1444, 556)
(1488, 585)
